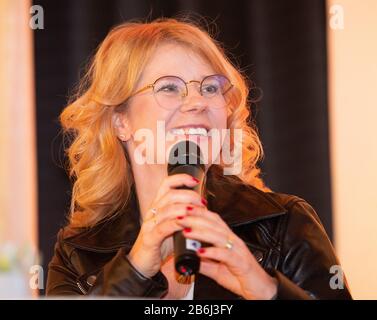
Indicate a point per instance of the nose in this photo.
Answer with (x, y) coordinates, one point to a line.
(194, 101)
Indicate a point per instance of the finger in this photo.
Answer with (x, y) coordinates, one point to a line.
(171, 211)
(208, 234)
(175, 181)
(203, 212)
(172, 197)
(161, 231)
(202, 224)
(209, 268)
(238, 262)
(223, 255)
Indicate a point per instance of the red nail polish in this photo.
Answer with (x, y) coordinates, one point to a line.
(204, 201)
(189, 208)
(201, 250)
(187, 229)
(196, 180)
(180, 217)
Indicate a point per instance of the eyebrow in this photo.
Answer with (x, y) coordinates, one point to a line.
(180, 76)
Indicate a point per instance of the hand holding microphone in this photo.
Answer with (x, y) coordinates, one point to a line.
(226, 258)
(177, 195)
(171, 205)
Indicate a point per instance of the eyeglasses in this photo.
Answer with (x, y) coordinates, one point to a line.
(169, 91)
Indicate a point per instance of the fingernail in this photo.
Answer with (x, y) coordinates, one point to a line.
(180, 217)
(201, 250)
(187, 229)
(204, 201)
(189, 208)
(196, 180)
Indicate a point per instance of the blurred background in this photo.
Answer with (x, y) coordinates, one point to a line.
(314, 60)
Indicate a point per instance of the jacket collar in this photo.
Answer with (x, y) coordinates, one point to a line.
(236, 202)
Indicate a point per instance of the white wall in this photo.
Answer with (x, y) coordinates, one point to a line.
(18, 186)
(352, 53)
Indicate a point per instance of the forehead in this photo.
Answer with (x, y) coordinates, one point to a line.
(177, 60)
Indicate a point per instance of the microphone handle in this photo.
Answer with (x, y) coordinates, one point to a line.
(186, 260)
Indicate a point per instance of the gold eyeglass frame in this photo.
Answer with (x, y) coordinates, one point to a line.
(152, 85)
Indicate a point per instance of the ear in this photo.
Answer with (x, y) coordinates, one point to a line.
(121, 126)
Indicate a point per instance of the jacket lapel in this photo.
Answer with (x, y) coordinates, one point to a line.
(236, 202)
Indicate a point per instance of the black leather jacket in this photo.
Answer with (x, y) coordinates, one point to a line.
(282, 231)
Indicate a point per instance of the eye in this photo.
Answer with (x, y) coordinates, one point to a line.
(210, 89)
(168, 88)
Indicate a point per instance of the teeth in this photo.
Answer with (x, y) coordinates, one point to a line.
(190, 131)
(198, 131)
(177, 131)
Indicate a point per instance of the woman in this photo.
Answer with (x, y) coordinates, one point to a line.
(124, 212)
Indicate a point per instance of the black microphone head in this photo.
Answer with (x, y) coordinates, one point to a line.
(183, 153)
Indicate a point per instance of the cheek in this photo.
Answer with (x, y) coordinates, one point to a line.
(147, 123)
(219, 118)
(144, 114)
(220, 122)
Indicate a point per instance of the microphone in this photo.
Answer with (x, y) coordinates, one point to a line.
(185, 157)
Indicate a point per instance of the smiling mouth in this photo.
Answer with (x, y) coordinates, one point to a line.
(198, 131)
